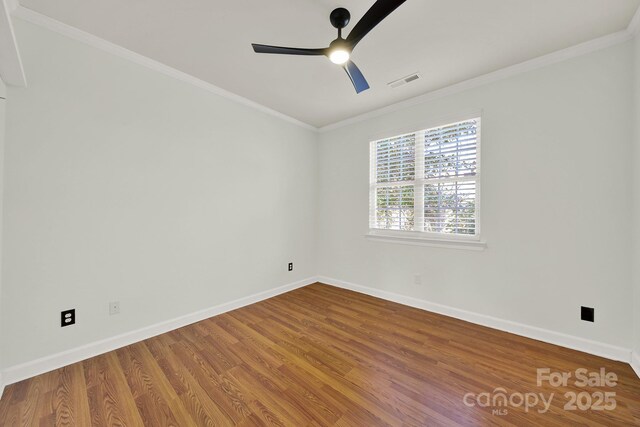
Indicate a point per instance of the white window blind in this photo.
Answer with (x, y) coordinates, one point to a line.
(427, 181)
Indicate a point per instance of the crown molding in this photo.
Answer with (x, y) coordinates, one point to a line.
(12, 5)
(76, 34)
(11, 69)
(562, 55)
(495, 76)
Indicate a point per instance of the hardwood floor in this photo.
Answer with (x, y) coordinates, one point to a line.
(320, 356)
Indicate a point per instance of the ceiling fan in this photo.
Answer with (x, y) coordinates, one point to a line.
(339, 51)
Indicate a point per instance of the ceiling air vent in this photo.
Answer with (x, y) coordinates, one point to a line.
(403, 81)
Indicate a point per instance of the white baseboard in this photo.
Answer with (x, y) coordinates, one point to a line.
(27, 370)
(592, 347)
(635, 362)
(30, 369)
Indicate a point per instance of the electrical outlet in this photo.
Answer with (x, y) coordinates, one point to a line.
(114, 307)
(67, 317)
(290, 266)
(417, 279)
(587, 314)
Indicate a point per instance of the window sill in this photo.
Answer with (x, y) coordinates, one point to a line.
(466, 244)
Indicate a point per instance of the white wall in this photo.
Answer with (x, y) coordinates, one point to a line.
(3, 95)
(636, 197)
(556, 209)
(124, 184)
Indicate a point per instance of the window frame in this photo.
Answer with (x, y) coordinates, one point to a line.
(428, 238)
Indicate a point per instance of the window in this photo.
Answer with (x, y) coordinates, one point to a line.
(427, 183)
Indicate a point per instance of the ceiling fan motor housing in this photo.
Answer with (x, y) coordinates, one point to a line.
(340, 17)
(341, 44)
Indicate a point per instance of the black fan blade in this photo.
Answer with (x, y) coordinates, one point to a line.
(380, 10)
(354, 73)
(263, 48)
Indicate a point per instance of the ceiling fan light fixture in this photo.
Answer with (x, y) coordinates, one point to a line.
(339, 51)
(339, 56)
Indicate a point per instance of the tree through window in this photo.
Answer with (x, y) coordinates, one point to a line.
(427, 181)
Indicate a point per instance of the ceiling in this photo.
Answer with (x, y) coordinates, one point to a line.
(447, 41)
